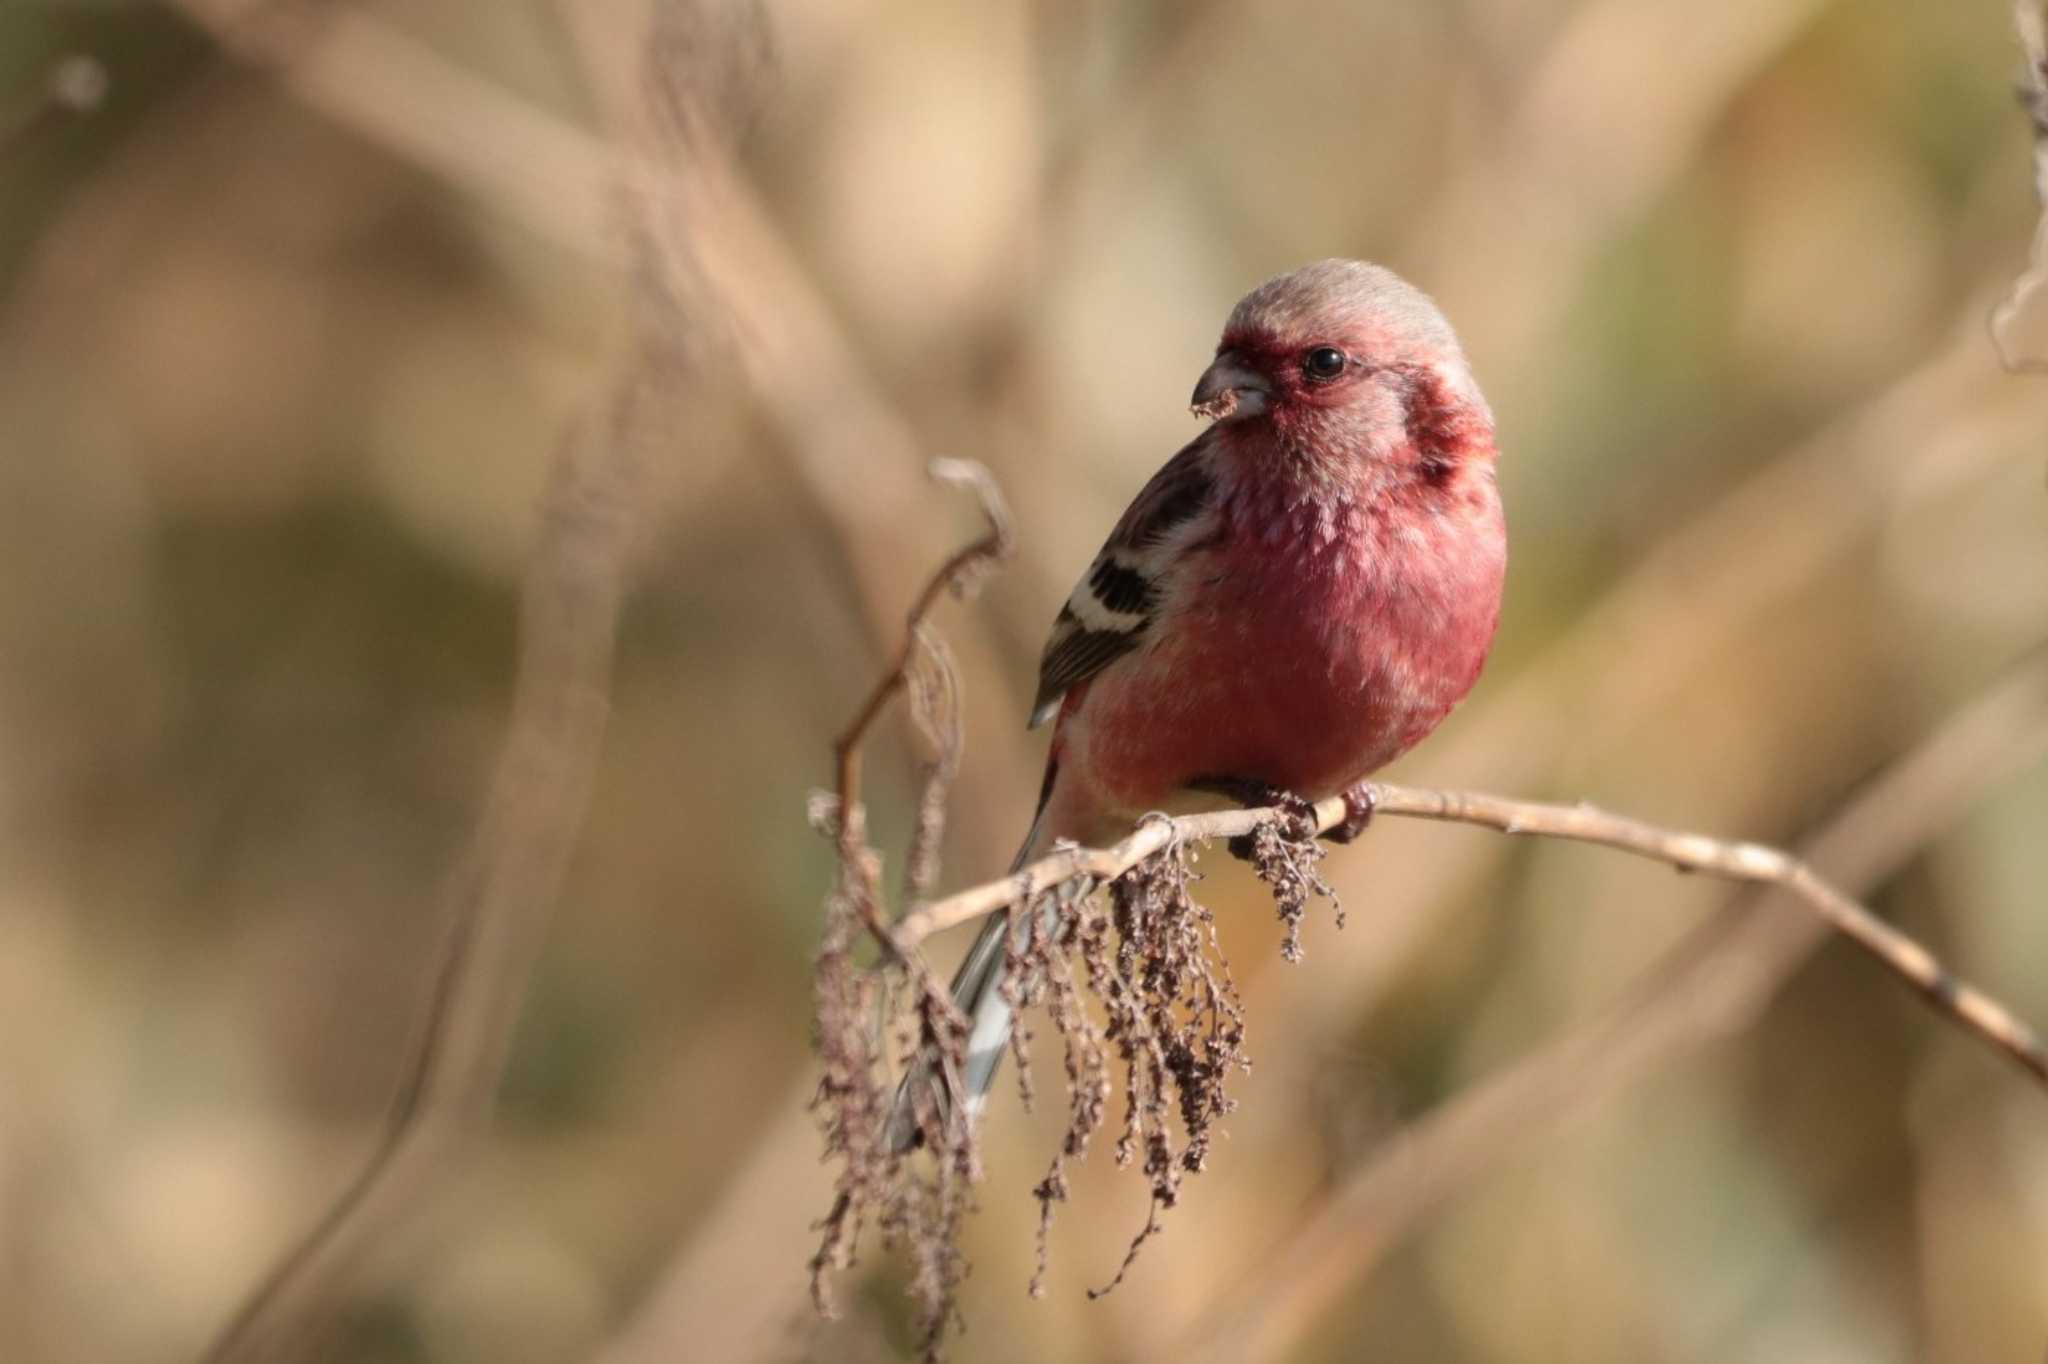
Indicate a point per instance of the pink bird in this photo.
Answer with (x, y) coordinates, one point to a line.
(1293, 601)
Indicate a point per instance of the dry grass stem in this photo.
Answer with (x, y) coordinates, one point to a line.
(858, 1034)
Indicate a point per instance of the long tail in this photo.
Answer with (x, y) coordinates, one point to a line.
(977, 993)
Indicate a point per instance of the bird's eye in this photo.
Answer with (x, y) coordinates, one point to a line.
(1323, 363)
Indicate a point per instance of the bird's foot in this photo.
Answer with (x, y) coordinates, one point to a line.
(1359, 803)
(1298, 816)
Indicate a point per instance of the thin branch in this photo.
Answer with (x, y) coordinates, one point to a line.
(1692, 852)
(1711, 985)
(1098, 865)
(957, 577)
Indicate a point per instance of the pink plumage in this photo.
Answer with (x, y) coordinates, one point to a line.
(1294, 600)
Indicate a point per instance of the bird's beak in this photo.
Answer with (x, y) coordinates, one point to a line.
(1230, 389)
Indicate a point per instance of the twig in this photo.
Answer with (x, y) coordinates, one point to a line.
(957, 576)
(1693, 852)
(1711, 985)
(854, 1098)
(1098, 865)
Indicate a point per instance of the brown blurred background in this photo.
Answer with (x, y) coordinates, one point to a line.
(279, 394)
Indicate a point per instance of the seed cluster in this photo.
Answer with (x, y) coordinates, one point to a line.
(1134, 983)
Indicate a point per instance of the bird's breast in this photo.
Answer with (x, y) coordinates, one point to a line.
(1303, 646)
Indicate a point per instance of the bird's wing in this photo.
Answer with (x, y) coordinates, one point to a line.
(1112, 609)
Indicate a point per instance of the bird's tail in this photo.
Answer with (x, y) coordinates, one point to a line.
(978, 994)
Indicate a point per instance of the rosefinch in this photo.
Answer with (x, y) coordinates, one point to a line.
(1294, 600)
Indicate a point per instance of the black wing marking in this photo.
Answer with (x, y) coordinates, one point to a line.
(1126, 591)
(1111, 609)
(1073, 655)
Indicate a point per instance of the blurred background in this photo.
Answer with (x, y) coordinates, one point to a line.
(286, 359)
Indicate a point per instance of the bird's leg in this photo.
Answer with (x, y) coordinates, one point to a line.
(1253, 794)
(1359, 803)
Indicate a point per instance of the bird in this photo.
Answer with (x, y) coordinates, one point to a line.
(1296, 598)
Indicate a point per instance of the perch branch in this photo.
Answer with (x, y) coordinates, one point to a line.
(1689, 852)
(1712, 984)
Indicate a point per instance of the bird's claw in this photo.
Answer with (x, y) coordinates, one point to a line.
(1297, 816)
(1359, 803)
(1296, 821)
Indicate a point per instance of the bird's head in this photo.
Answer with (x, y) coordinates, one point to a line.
(1343, 359)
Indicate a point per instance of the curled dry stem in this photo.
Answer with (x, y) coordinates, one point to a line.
(859, 1035)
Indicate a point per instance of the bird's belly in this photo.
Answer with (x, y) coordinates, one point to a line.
(1308, 696)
